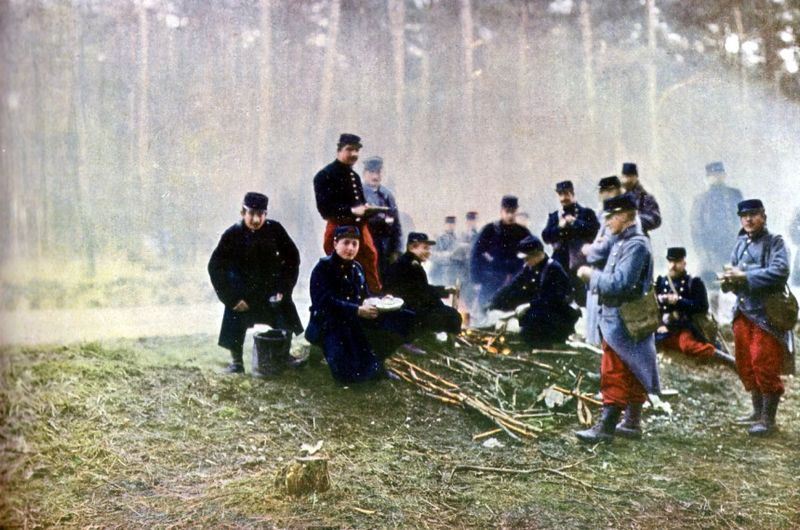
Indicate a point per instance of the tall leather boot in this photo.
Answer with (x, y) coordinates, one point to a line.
(603, 430)
(237, 364)
(766, 425)
(631, 424)
(753, 417)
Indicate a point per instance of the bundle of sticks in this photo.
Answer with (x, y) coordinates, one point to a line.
(437, 387)
(488, 341)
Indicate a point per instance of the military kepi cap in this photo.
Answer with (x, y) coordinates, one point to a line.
(509, 202)
(450, 219)
(629, 168)
(564, 186)
(609, 182)
(676, 253)
(471, 216)
(419, 237)
(619, 203)
(255, 200)
(373, 164)
(714, 168)
(346, 232)
(349, 139)
(750, 206)
(530, 245)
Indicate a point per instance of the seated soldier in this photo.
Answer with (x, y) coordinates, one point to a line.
(680, 297)
(406, 278)
(544, 285)
(254, 270)
(354, 337)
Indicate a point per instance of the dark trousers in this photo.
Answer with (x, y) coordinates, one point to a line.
(235, 325)
(436, 319)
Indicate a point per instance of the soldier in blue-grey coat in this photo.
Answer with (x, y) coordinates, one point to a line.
(354, 337)
(629, 371)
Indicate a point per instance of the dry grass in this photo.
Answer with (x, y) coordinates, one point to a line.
(144, 434)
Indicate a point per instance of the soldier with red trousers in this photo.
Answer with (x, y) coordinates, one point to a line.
(341, 202)
(759, 266)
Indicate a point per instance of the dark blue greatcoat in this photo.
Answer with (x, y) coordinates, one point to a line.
(693, 301)
(493, 260)
(337, 188)
(647, 207)
(627, 275)
(354, 347)
(546, 287)
(568, 240)
(765, 261)
(713, 220)
(254, 266)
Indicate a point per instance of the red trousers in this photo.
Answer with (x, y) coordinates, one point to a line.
(685, 342)
(759, 356)
(367, 254)
(618, 384)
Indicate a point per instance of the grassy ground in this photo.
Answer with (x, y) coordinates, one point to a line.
(147, 434)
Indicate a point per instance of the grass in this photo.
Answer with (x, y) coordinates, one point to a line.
(148, 434)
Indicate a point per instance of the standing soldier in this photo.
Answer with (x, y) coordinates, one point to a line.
(341, 201)
(596, 254)
(462, 258)
(544, 287)
(794, 233)
(384, 226)
(713, 220)
(646, 205)
(470, 234)
(567, 230)
(354, 337)
(254, 270)
(444, 270)
(628, 370)
(760, 266)
(494, 261)
(680, 297)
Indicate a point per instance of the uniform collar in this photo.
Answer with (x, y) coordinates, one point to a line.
(631, 231)
(757, 236)
(338, 163)
(344, 264)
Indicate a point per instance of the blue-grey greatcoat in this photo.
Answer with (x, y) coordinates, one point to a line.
(596, 257)
(765, 261)
(714, 219)
(627, 275)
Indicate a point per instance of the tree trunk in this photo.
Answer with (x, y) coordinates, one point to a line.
(145, 210)
(328, 73)
(652, 85)
(588, 65)
(468, 40)
(264, 99)
(397, 17)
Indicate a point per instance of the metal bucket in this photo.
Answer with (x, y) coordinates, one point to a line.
(271, 351)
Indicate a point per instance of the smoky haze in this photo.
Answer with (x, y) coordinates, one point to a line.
(131, 130)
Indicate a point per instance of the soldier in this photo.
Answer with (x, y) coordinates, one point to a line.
(759, 266)
(794, 233)
(544, 286)
(470, 234)
(681, 296)
(567, 230)
(628, 368)
(354, 337)
(406, 279)
(713, 220)
(596, 254)
(493, 259)
(383, 226)
(341, 201)
(444, 270)
(646, 205)
(254, 270)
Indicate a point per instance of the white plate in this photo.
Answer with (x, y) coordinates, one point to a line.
(387, 303)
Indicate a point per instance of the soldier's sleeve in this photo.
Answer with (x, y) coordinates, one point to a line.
(324, 193)
(650, 213)
(697, 299)
(551, 232)
(586, 224)
(226, 281)
(477, 260)
(555, 288)
(511, 295)
(625, 280)
(776, 270)
(323, 296)
(290, 261)
(599, 250)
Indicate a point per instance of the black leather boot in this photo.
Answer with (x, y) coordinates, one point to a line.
(237, 364)
(603, 430)
(766, 425)
(753, 417)
(631, 424)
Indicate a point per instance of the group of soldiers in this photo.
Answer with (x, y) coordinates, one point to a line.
(600, 262)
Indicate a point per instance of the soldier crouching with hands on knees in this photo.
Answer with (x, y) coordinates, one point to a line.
(759, 268)
(354, 336)
(254, 270)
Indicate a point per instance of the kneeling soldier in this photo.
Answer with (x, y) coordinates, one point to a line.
(760, 266)
(406, 279)
(545, 286)
(628, 370)
(680, 297)
(254, 270)
(354, 337)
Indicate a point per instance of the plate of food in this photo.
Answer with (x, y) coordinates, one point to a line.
(386, 303)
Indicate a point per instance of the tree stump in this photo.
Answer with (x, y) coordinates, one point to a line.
(307, 474)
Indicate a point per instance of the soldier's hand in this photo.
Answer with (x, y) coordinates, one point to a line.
(276, 298)
(586, 248)
(569, 219)
(662, 329)
(562, 222)
(671, 298)
(359, 210)
(241, 306)
(584, 272)
(368, 311)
